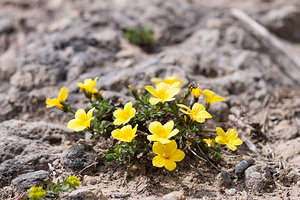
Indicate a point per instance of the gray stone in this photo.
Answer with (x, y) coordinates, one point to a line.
(219, 111)
(230, 192)
(29, 146)
(176, 195)
(37, 178)
(78, 156)
(258, 177)
(86, 193)
(224, 179)
(240, 168)
(283, 20)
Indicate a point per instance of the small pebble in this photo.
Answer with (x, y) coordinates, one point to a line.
(230, 192)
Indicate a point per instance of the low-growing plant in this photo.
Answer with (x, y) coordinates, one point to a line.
(140, 36)
(160, 120)
(53, 190)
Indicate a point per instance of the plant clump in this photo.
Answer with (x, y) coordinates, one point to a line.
(161, 119)
(53, 190)
(141, 36)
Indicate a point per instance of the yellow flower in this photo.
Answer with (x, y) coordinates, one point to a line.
(209, 142)
(88, 85)
(167, 155)
(211, 98)
(73, 181)
(124, 116)
(162, 133)
(230, 138)
(169, 80)
(125, 134)
(163, 92)
(58, 102)
(198, 112)
(82, 120)
(37, 193)
(196, 92)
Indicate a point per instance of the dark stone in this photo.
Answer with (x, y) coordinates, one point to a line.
(78, 156)
(37, 178)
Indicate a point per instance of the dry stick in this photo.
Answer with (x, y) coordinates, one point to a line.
(93, 164)
(265, 34)
(193, 152)
(217, 168)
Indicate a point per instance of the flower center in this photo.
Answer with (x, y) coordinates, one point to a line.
(165, 155)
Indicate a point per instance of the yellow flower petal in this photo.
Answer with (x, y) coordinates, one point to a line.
(217, 99)
(154, 100)
(171, 147)
(236, 141)
(184, 106)
(127, 107)
(158, 161)
(196, 92)
(173, 133)
(152, 137)
(231, 133)
(178, 155)
(52, 102)
(155, 127)
(63, 94)
(90, 113)
(163, 140)
(220, 140)
(173, 91)
(170, 165)
(169, 126)
(80, 114)
(220, 132)
(76, 125)
(185, 112)
(231, 146)
(197, 107)
(151, 90)
(158, 148)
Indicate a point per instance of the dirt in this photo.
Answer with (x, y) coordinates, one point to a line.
(48, 45)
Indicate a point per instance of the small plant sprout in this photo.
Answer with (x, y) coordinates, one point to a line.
(159, 119)
(59, 102)
(140, 36)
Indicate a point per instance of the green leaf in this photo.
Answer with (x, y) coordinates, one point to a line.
(109, 160)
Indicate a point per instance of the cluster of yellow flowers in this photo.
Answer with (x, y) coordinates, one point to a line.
(164, 91)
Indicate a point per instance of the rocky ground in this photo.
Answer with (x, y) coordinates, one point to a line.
(45, 45)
